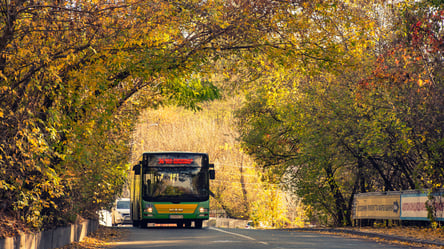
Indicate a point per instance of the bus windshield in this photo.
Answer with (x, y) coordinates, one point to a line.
(175, 184)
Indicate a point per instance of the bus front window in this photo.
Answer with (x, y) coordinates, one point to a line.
(175, 184)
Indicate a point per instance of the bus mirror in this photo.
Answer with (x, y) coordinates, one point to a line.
(136, 169)
(211, 171)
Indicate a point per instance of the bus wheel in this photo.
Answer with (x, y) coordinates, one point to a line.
(198, 224)
(179, 224)
(188, 224)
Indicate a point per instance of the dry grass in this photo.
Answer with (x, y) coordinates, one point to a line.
(178, 129)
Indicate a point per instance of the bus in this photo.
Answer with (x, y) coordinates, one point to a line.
(171, 188)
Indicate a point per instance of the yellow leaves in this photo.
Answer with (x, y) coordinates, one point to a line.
(3, 77)
(306, 4)
(270, 210)
(422, 82)
(4, 89)
(226, 147)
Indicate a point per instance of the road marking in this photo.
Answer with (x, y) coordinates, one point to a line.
(239, 235)
(226, 241)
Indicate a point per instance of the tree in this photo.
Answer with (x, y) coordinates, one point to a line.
(73, 76)
(302, 117)
(340, 120)
(403, 94)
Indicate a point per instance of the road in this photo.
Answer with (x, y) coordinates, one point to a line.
(218, 238)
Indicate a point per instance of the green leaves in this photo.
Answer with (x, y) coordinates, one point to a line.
(188, 92)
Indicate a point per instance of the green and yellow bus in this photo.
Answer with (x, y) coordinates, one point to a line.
(171, 188)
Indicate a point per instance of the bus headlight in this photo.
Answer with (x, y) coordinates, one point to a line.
(203, 210)
(148, 208)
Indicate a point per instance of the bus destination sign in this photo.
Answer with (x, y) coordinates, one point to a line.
(163, 161)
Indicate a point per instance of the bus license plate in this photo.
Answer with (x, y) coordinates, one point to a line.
(176, 216)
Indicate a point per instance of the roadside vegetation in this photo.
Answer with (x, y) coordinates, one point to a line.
(359, 109)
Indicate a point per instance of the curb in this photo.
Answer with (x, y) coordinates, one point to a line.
(367, 234)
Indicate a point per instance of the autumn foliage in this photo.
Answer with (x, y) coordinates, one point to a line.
(365, 116)
(73, 75)
(341, 96)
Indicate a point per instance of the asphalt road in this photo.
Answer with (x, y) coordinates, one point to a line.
(218, 238)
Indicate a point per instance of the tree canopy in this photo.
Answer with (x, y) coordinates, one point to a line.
(74, 75)
(342, 96)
